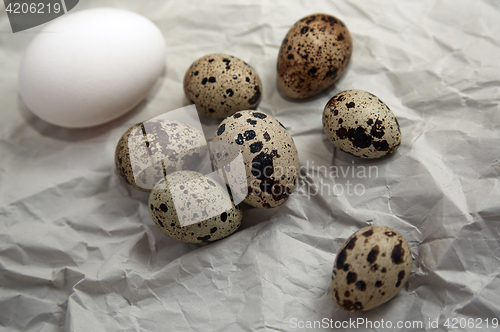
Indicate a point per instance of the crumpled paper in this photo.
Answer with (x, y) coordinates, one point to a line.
(79, 252)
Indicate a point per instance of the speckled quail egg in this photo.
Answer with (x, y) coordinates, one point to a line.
(361, 124)
(268, 153)
(149, 150)
(371, 268)
(192, 207)
(220, 85)
(313, 55)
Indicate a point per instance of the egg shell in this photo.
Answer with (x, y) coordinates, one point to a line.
(91, 66)
(313, 55)
(269, 155)
(221, 84)
(193, 198)
(361, 124)
(155, 148)
(371, 267)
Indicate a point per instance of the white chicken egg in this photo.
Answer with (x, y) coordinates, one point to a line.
(90, 67)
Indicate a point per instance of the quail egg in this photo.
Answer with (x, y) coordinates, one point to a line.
(361, 124)
(313, 55)
(371, 268)
(149, 150)
(192, 207)
(221, 84)
(268, 154)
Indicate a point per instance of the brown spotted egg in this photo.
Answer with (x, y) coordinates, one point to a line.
(361, 124)
(313, 55)
(192, 207)
(220, 85)
(371, 268)
(268, 156)
(149, 150)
